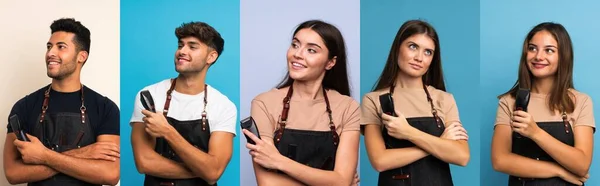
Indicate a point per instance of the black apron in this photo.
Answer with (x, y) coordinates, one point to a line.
(316, 149)
(427, 171)
(60, 132)
(196, 132)
(561, 130)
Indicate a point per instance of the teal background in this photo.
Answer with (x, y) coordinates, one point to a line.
(148, 45)
(457, 24)
(504, 25)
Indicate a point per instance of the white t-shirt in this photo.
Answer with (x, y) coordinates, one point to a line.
(221, 112)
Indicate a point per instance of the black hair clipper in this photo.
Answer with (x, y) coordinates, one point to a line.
(522, 99)
(147, 101)
(521, 103)
(16, 128)
(387, 104)
(250, 125)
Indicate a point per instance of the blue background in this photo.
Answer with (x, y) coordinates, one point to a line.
(457, 24)
(148, 45)
(504, 26)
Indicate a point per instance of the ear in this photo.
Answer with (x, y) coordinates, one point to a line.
(212, 56)
(331, 63)
(82, 57)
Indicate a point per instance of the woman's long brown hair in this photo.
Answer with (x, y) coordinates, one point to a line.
(560, 97)
(433, 76)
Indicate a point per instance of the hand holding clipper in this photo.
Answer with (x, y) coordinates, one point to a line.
(521, 102)
(147, 101)
(16, 128)
(387, 104)
(250, 125)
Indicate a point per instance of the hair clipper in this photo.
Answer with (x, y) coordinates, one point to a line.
(387, 104)
(250, 125)
(147, 101)
(16, 128)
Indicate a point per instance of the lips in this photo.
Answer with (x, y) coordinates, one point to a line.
(298, 66)
(182, 60)
(52, 63)
(415, 66)
(539, 65)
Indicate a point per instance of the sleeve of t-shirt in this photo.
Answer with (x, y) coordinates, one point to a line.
(352, 117)
(368, 112)
(226, 122)
(20, 110)
(451, 110)
(264, 123)
(110, 122)
(586, 116)
(503, 114)
(137, 115)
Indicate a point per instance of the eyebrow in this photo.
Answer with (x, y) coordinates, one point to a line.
(544, 46)
(310, 44)
(48, 43)
(189, 42)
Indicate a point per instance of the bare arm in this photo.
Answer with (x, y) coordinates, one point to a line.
(16, 171)
(93, 171)
(149, 161)
(451, 151)
(503, 160)
(268, 178)
(345, 164)
(383, 159)
(209, 166)
(264, 153)
(576, 159)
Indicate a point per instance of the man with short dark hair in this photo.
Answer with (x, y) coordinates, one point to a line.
(190, 140)
(73, 131)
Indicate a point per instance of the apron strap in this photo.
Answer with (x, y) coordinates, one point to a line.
(565, 121)
(336, 137)
(433, 111)
(284, 114)
(82, 109)
(168, 102)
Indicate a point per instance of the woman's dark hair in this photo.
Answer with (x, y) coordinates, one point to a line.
(433, 77)
(335, 78)
(560, 97)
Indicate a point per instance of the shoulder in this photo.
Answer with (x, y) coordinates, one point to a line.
(271, 95)
(102, 100)
(374, 96)
(579, 97)
(506, 99)
(440, 94)
(30, 99)
(336, 97)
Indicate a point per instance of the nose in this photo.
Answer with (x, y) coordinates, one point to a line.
(419, 56)
(182, 51)
(539, 56)
(51, 52)
(297, 53)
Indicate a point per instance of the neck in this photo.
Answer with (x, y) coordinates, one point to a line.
(404, 81)
(191, 84)
(543, 86)
(71, 83)
(307, 90)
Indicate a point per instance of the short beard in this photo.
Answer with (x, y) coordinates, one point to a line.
(66, 70)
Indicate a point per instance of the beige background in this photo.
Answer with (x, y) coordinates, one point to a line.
(25, 29)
